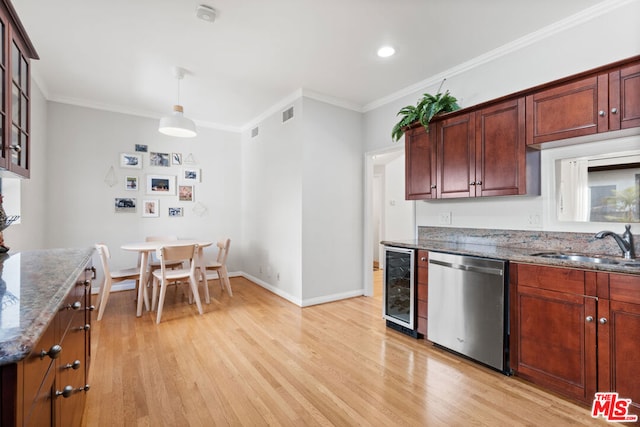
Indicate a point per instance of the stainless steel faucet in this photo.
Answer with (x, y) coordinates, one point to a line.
(625, 242)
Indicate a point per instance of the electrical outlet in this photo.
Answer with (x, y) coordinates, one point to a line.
(445, 218)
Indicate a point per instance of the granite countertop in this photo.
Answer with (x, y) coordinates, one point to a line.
(33, 284)
(518, 246)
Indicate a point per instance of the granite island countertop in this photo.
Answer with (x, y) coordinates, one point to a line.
(519, 246)
(33, 284)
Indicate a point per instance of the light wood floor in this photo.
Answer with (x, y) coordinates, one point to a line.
(256, 359)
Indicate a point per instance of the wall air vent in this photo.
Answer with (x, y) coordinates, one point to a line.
(287, 114)
(254, 132)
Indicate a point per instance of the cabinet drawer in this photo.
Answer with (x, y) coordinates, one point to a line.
(552, 278)
(624, 288)
(74, 303)
(39, 411)
(35, 366)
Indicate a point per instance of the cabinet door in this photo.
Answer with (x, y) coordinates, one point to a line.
(624, 97)
(500, 149)
(456, 156)
(567, 111)
(556, 345)
(420, 164)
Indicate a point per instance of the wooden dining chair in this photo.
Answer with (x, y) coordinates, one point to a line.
(220, 267)
(164, 276)
(111, 277)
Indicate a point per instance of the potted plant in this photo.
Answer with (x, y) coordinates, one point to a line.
(424, 111)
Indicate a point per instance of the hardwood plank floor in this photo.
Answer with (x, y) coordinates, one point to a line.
(256, 359)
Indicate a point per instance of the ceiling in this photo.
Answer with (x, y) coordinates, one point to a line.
(119, 54)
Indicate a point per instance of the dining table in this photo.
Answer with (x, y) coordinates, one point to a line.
(146, 248)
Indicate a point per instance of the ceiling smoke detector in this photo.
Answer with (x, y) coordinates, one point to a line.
(206, 13)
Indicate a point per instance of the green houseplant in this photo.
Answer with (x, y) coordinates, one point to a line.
(426, 108)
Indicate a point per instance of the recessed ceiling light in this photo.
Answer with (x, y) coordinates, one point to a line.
(386, 51)
(206, 13)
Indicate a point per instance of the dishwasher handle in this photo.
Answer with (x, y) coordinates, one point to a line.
(473, 268)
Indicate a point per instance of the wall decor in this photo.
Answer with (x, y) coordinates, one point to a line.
(131, 160)
(190, 174)
(141, 147)
(185, 193)
(125, 204)
(161, 185)
(150, 208)
(131, 183)
(176, 212)
(159, 159)
(176, 159)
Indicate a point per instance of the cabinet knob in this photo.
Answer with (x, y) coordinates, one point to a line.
(93, 273)
(603, 320)
(601, 113)
(472, 183)
(53, 352)
(16, 147)
(423, 259)
(90, 308)
(433, 186)
(85, 327)
(478, 182)
(86, 283)
(66, 392)
(75, 306)
(589, 319)
(614, 110)
(75, 365)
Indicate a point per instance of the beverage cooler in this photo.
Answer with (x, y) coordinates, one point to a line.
(398, 289)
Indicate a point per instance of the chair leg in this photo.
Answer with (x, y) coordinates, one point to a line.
(154, 294)
(196, 294)
(100, 292)
(225, 275)
(163, 291)
(104, 297)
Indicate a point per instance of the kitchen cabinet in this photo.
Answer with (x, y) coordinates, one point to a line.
(420, 167)
(619, 337)
(483, 153)
(47, 387)
(553, 342)
(16, 52)
(422, 291)
(577, 332)
(603, 102)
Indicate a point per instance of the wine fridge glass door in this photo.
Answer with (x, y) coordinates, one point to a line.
(398, 292)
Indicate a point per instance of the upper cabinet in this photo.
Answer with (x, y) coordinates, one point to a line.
(420, 167)
(16, 52)
(602, 102)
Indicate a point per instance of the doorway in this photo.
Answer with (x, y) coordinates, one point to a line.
(387, 215)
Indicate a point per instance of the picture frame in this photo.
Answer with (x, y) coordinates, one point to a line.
(176, 159)
(141, 148)
(131, 183)
(125, 204)
(150, 208)
(174, 212)
(185, 193)
(164, 185)
(159, 159)
(191, 174)
(131, 160)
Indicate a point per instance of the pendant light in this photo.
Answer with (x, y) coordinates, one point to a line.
(176, 124)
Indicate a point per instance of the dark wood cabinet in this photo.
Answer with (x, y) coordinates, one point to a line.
(554, 330)
(422, 291)
(593, 104)
(455, 139)
(420, 168)
(16, 52)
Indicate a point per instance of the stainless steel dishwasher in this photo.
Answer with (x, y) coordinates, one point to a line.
(468, 307)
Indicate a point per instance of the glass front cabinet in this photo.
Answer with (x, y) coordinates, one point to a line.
(16, 52)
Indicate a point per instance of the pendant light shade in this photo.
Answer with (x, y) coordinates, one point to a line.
(177, 124)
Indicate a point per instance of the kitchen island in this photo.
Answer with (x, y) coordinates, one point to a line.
(45, 320)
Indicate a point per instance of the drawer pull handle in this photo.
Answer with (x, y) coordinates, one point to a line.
(87, 283)
(66, 392)
(85, 327)
(93, 272)
(90, 308)
(53, 352)
(75, 306)
(75, 365)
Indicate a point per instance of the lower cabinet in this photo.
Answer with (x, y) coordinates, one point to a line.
(421, 292)
(48, 387)
(576, 332)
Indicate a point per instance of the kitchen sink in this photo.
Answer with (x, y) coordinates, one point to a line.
(596, 259)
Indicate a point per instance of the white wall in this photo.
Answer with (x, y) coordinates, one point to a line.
(583, 44)
(83, 143)
(399, 213)
(272, 204)
(332, 201)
